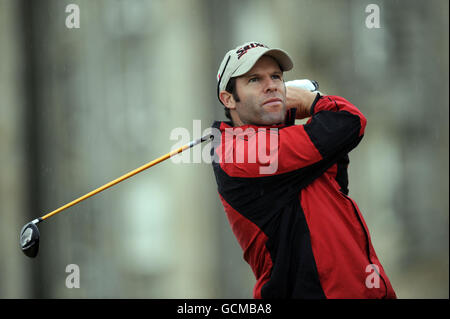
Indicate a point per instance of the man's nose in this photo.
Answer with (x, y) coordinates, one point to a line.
(270, 85)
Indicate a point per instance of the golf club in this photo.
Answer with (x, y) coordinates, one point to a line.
(29, 235)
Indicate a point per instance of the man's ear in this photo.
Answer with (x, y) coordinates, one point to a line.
(227, 99)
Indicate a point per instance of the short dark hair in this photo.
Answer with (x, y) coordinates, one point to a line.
(231, 88)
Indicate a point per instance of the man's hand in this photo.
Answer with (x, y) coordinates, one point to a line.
(301, 99)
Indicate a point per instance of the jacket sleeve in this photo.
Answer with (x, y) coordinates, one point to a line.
(334, 129)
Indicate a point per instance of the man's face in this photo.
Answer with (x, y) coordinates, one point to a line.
(262, 94)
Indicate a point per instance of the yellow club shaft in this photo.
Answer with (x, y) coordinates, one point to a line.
(124, 177)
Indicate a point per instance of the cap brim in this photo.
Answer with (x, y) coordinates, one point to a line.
(279, 55)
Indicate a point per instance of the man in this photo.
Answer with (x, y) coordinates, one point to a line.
(301, 234)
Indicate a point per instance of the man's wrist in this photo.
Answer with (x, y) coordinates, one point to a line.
(316, 99)
(302, 94)
(305, 104)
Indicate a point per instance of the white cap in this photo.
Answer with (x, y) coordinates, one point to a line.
(240, 60)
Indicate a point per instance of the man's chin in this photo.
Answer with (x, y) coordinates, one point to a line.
(273, 118)
(273, 107)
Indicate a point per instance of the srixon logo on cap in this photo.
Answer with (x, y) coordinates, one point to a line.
(244, 50)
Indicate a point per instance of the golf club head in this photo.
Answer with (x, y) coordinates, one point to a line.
(29, 240)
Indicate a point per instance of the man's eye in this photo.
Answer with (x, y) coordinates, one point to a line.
(276, 77)
(253, 80)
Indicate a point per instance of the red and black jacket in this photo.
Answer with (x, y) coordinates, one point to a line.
(301, 234)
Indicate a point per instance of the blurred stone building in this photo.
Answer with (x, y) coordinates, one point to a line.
(82, 106)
